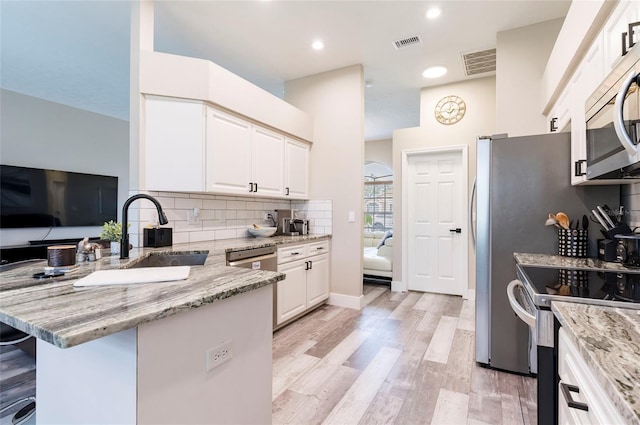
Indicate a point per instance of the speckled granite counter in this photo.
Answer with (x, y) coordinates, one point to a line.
(609, 341)
(61, 314)
(558, 261)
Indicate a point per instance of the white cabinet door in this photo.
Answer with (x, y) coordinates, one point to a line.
(296, 169)
(625, 13)
(174, 145)
(267, 162)
(228, 155)
(292, 291)
(317, 280)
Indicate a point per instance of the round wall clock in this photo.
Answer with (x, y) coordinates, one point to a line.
(450, 110)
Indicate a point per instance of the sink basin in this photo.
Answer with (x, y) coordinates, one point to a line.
(169, 259)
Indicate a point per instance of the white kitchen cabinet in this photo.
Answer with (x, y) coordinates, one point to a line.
(578, 385)
(561, 112)
(307, 282)
(174, 145)
(228, 153)
(191, 147)
(292, 291)
(267, 162)
(625, 13)
(243, 158)
(296, 176)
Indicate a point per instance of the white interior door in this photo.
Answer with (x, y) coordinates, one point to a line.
(436, 231)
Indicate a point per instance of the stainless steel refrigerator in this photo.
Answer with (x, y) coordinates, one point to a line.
(520, 180)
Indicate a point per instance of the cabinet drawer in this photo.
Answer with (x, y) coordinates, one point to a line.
(573, 371)
(291, 253)
(317, 248)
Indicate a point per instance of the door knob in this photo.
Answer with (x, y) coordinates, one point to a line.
(456, 230)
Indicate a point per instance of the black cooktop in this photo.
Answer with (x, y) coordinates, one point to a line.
(588, 286)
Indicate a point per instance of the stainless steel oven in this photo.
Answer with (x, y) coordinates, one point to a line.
(530, 297)
(613, 123)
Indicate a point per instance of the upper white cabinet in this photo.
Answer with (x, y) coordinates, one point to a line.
(228, 153)
(192, 147)
(267, 162)
(624, 14)
(296, 174)
(174, 148)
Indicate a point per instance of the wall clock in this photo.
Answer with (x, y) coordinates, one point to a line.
(450, 110)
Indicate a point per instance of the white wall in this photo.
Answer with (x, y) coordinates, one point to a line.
(335, 99)
(479, 96)
(41, 134)
(522, 55)
(380, 151)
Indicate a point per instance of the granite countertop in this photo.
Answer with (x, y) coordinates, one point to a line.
(608, 339)
(61, 314)
(558, 261)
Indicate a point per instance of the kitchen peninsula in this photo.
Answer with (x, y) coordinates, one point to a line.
(141, 353)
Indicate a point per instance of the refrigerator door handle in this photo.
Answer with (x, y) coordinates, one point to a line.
(471, 218)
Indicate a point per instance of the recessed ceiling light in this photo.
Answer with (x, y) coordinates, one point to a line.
(317, 45)
(434, 72)
(433, 13)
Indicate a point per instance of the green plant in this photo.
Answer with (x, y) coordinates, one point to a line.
(111, 231)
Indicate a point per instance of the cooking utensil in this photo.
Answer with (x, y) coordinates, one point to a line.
(563, 220)
(612, 215)
(596, 215)
(585, 222)
(606, 217)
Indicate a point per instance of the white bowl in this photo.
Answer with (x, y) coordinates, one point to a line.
(262, 232)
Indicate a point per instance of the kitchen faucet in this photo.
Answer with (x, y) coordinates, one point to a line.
(124, 241)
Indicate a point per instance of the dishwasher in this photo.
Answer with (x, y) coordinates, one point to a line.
(262, 258)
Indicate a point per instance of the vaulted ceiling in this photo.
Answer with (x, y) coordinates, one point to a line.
(77, 52)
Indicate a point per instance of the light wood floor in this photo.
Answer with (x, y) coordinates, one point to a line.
(406, 358)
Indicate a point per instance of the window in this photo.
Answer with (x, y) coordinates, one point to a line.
(378, 198)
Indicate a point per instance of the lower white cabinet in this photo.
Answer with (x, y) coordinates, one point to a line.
(581, 399)
(307, 282)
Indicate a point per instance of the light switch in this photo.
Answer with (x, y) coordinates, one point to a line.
(352, 216)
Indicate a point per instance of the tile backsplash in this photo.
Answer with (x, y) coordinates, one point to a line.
(218, 216)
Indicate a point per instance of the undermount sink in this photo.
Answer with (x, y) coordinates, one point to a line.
(169, 259)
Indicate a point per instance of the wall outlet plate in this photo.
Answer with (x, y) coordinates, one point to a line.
(218, 355)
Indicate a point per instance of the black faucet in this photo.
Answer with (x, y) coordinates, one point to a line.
(124, 242)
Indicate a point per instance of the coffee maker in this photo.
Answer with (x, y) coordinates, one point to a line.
(289, 224)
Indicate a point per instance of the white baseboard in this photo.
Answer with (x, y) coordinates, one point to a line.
(348, 301)
(398, 286)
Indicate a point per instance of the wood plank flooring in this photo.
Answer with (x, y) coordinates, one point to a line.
(406, 358)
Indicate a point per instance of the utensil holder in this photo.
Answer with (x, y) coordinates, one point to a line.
(573, 242)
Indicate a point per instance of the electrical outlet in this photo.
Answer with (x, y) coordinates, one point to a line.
(265, 215)
(193, 216)
(218, 355)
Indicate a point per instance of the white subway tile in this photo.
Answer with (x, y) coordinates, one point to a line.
(180, 237)
(201, 236)
(236, 205)
(182, 226)
(231, 214)
(174, 194)
(225, 234)
(188, 203)
(214, 204)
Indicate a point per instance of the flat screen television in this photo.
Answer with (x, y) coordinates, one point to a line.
(33, 197)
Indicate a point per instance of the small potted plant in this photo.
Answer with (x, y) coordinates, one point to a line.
(112, 231)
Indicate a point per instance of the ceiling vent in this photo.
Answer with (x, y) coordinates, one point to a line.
(407, 42)
(479, 62)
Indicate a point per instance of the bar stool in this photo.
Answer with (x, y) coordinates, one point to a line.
(11, 336)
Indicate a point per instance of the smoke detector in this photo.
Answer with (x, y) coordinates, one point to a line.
(479, 62)
(407, 42)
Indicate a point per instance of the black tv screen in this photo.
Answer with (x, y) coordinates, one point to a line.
(33, 197)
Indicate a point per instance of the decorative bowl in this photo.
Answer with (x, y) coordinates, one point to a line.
(262, 232)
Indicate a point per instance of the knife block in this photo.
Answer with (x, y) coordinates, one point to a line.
(155, 238)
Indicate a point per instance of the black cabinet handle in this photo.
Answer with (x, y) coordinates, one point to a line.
(456, 230)
(552, 125)
(287, 189)
(251, 187)
(295, 253)
(310, 265)
(256, 189)
(577, 168)
(566, 391)
(306, 265)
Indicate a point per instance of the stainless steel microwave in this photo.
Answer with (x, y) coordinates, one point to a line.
(613, 122)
